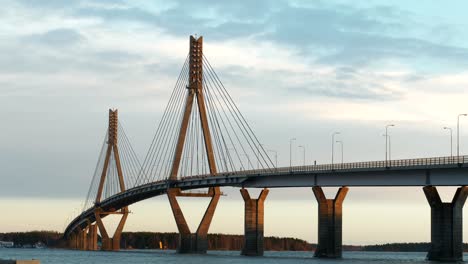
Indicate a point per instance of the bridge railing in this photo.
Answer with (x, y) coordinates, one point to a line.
(432, 161)
(389, 164)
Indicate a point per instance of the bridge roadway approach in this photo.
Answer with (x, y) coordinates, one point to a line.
(446, 218)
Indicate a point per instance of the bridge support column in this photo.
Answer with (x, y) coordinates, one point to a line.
(78, 240)
(73, 241)
(446, 225)
(92, 237)
(196, 242)
(253, 223)
(83, 245)
(111, 243)
(329, 223)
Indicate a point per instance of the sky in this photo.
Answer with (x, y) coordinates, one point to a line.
(296, 69)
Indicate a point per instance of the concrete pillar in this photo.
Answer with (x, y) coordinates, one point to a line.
(253, 223)
(446, 225)
(78, 240)
(198, 241)
(85, 240)
(105, 243)
(110, 244)
(329, 223)
(116, 243)
(72, 241)
(79, 236)
(192, 243)
(92, 237)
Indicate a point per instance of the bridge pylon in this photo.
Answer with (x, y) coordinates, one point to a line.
(196, 242)
(109, 243)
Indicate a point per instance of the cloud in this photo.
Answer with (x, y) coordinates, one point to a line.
(60, 37)
(331, 34)
(343, 41)
(116, 14)
(341, 82)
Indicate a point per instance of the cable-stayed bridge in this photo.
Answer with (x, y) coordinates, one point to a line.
(204, 142)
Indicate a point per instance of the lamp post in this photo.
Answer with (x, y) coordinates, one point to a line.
(290, 151)
(276, 156)
(303, 154)
(333, 145)
(386, 142)
(451, 144)
(341, 143)
(458, 136)
(389, 146)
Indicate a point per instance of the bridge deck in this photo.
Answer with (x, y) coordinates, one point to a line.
(437, 171)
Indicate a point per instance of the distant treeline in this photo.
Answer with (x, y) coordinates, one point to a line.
(404, 247)
(150, 240)
(153, 240)
(400, 247)
(49, 238)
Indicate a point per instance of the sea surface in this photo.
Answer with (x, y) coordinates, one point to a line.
(59, 256)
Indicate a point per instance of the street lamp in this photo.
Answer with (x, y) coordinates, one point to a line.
(389, 146)
(458, 136)
(276, 156)
(333, 145)
(386, 141)
(303, 154)
(341, 143)
(451, 145)
(290, 151)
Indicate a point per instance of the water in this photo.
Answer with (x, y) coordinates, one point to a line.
(57, 256)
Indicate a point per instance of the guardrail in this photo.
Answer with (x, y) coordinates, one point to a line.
(432, 161)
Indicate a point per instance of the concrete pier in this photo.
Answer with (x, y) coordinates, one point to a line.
(92, 237)
(329, 223)
(198, 241)
(83, 240)
(253, 223)
(192, 243)
(446, 225)
(72, 241)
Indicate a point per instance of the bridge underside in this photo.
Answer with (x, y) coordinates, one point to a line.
(452, 175)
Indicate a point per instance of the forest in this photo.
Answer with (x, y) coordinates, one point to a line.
(155, 240)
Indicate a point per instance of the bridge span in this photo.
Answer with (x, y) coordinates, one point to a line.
(201, 147)
(424, 172)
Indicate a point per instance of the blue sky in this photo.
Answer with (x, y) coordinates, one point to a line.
(315, 66)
